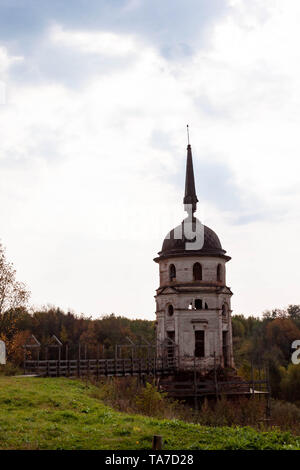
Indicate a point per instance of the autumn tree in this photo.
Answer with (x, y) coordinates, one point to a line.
(280, 333)
(13, 299)
(290, 384)
(13, 294)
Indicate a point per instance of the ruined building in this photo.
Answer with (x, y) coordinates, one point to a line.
(193, 310)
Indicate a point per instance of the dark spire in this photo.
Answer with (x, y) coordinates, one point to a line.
(190, 196)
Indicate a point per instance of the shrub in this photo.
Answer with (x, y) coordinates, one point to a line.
(150, 401)
(225, 412)
(285, 415)
(127, 394)
(9, 369)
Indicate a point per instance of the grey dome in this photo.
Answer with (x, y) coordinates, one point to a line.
(174, 246)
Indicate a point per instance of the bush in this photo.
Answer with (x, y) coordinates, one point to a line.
(9, 369)
(224, 412)
(285, 415)
(127, 394)
(150, 401)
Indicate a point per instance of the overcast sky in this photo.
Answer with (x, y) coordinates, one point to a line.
(95, 98)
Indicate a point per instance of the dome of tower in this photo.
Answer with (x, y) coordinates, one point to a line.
(173, 245)
(179, 241)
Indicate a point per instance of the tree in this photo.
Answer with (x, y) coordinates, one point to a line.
(294, 312)
(281, 332)
(238, 329)
(14, 347)
(275, 313)
(63, 334)
(13, 294)
(290, 384)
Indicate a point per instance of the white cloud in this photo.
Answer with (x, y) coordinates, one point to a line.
(76, 164)
(107, 43)
(6, 61)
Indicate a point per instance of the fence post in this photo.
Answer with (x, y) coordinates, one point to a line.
(78, 361)
(268, 405)
(195, 385)
(98, 356)
(157, 443)
(252, 378)
(38, 361)
(215, 377)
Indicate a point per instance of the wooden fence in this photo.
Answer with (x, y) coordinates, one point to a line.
(100, 367)
(209, 387)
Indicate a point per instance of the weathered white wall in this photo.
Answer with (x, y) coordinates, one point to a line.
(184, 269)
(183, 291)
(2, 353)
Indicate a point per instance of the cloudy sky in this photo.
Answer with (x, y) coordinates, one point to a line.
(95, 97)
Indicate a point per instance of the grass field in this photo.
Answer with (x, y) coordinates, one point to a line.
(66, 414)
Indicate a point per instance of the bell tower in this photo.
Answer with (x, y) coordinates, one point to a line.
(193, 302)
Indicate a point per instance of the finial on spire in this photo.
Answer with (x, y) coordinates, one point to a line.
(190, 198)
(188, 133)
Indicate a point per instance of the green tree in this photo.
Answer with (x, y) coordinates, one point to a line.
(13, 294)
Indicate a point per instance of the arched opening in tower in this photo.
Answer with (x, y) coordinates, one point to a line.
(197, 272)
(172, 272)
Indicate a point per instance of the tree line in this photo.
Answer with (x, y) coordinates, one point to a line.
(269, 338)
(255, 339)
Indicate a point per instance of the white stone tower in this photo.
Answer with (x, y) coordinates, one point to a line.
(193, 310)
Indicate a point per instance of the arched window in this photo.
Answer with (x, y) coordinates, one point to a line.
(198, 304)
(172, 272)
(206, 306)
(197, 272)
(170, 310)
(224, 310)
(219, 273)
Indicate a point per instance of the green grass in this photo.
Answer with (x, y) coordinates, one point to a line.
(66, 414)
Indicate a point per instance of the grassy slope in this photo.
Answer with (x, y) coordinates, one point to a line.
(66, 414)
